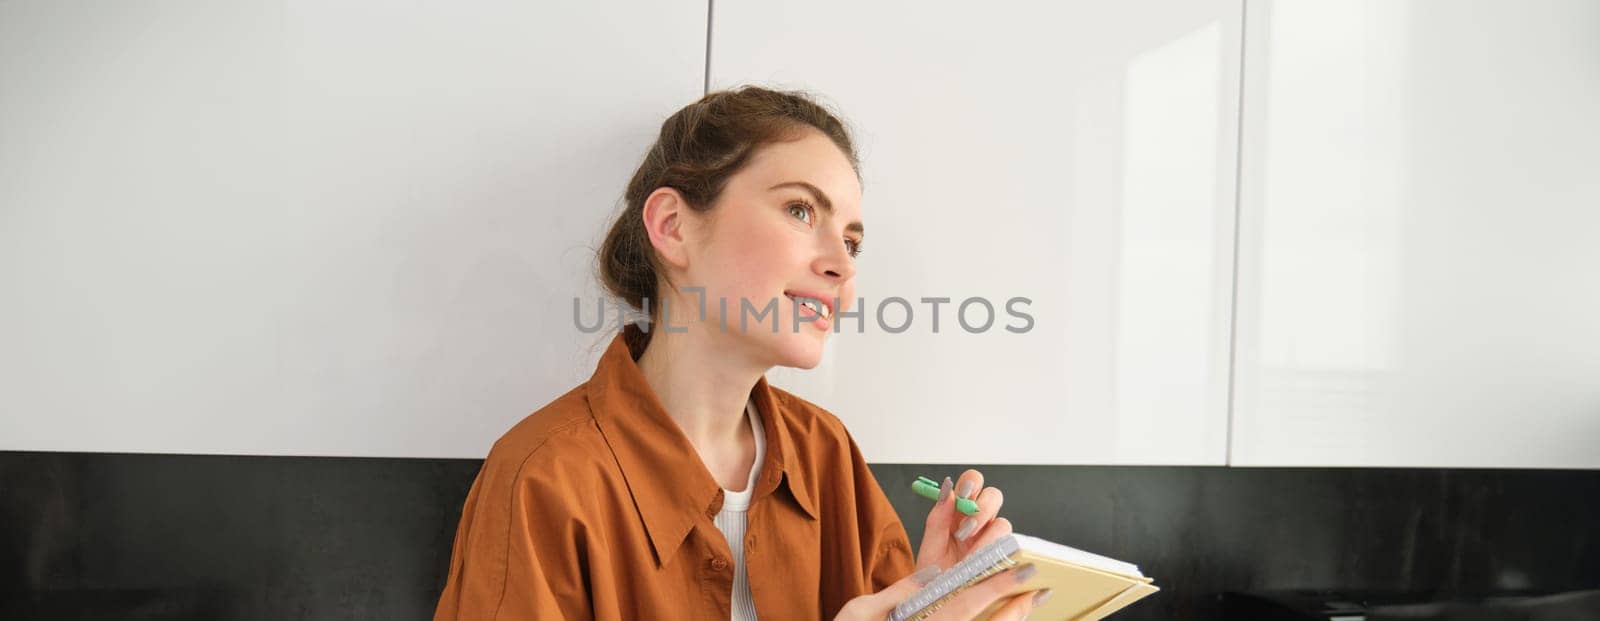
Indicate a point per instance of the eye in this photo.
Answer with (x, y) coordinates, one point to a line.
(854, 246)
(802, 207)
(804, 211)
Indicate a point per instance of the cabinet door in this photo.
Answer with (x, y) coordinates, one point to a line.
(1419, 275)
(1080, 155)
(312, 228)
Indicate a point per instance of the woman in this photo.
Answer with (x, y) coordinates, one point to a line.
(676, 483)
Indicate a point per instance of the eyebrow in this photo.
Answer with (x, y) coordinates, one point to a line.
(822, 199)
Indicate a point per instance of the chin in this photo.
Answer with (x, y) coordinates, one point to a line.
(809, 363)
(800, 353)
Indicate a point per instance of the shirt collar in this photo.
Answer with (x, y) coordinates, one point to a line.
(670, 485)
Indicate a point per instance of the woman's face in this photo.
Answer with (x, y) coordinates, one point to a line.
(769, 240)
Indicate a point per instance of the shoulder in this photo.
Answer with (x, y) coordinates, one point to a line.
(809, 421)
(837, 474)
(819, 436)
(557, 447)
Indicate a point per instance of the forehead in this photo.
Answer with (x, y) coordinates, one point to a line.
(813, 159)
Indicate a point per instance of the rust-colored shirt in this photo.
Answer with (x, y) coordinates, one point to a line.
(597, 506)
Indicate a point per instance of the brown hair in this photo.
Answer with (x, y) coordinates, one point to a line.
(699, 148)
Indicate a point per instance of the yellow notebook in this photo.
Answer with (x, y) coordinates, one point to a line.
(1084, 586)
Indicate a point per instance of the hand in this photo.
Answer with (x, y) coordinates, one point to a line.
(965, 605)
(949, 535)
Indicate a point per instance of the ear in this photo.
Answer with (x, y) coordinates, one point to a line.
(665, 215)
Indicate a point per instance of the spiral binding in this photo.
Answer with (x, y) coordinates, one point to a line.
(987, 561)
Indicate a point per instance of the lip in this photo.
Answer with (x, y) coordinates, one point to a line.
(827, 300)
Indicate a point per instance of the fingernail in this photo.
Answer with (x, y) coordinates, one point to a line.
(1038, 598)
(944, 490)
(925, 575)
(1026, 572)
(966, 489)
(967, 526)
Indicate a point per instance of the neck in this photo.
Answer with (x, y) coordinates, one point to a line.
(703, 384)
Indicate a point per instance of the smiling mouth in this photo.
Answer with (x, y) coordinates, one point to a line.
(816, 306)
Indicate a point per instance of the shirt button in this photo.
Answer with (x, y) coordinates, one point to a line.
(719, 564)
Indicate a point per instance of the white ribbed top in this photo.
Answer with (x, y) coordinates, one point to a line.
(730, 520)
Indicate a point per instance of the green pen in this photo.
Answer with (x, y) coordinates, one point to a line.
(926, 488)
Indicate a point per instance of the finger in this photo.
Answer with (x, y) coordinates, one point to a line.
(950, 519)
(943, 513)
(988, 506)
(879, 605)
(940, 524)
(974, 599)
(1017, 608)
(969, 483)
(1000, 527)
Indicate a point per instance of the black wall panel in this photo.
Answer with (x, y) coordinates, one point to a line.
(227, 537)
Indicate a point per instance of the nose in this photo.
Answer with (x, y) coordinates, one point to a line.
(834, 262)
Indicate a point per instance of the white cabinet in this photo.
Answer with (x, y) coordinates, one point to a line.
(356, 228)
(352, 228)
(1419, 279)
(1079, 154)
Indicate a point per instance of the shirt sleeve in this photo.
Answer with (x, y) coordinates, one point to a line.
(895, 560)
(887, 548)
(513, 558)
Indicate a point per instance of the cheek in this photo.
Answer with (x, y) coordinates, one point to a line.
(756, 264)
(750, 249)
(765, 252)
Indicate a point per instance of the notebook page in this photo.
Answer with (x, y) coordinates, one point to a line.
(1074, 555)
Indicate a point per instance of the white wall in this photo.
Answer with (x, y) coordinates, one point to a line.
(357, 229)
(1080, 154)
(312, 228)
(1419, 268)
